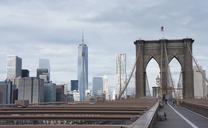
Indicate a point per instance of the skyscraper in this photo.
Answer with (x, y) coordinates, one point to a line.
(6, 89)
(100, 87)
(49, 92)
(60, 93)
(45, 64)
(43, 73)
(82, 69)
(3, 93)
(25, 73)
(106, 87)
(74, 85)
(97, 86)
(120, 73)
(14, 67)
(30, 88)
(200, 88)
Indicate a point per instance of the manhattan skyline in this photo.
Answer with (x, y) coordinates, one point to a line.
(52, 30)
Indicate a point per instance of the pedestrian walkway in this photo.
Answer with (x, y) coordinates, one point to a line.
(173, 119)
(197, 119)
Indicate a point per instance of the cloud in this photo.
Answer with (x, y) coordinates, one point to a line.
(52, 29)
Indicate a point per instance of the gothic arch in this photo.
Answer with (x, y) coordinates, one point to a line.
(148, 59)
(160, 50)
(179, 58)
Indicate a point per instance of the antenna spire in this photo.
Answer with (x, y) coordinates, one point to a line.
(82, 36)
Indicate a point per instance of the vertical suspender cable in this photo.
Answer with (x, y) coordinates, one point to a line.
(169, 73)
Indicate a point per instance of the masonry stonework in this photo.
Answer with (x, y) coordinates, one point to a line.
(163, 51)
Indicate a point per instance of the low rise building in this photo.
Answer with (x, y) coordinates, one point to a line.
(49, 92)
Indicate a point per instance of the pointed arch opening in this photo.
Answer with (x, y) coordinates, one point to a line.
(152, 75)
(176, 80)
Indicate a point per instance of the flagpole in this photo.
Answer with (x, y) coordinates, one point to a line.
(162, 32)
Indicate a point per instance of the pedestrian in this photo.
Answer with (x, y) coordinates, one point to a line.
(165, 116)
(173, 102)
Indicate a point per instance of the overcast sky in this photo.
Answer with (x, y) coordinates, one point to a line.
(34, 29)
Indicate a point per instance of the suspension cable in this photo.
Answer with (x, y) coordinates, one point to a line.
(180, 80)
(131, 74)
(169, 73)
(147, 86)
(179, 87)
(197, 65)
(205, 83)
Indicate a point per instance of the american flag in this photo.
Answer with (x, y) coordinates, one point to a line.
(162, 28)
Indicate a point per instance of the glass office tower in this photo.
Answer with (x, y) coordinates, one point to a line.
(14, 67)
(45, 64)
(82, 70)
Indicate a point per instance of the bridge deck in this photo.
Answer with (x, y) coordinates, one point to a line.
(180, 117)
(120, 113)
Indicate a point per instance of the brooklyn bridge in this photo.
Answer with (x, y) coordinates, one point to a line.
(171, 107)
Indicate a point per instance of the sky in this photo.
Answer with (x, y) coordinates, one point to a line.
(52, 29)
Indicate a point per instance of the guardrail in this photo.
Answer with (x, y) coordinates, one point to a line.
(147, 119)
(196, 107)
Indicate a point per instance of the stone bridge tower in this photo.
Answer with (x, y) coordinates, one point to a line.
(163, 51)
